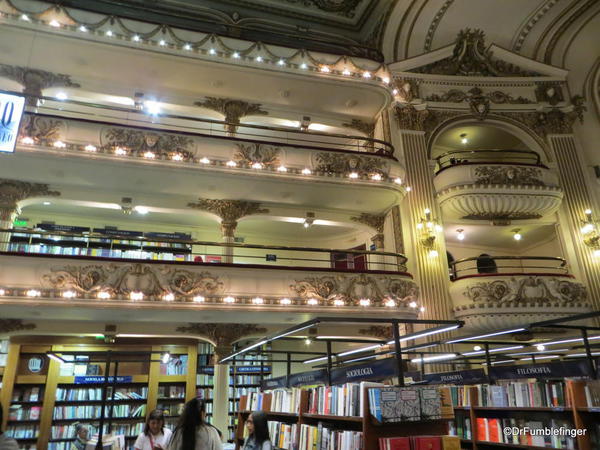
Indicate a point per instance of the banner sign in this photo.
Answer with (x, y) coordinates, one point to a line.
(560, 369)
(238, 369)
(123, 233)
(376, 369)
(65, 228)
(273, 383)
(11, 111)
(99, 380)
(459, 377)
(180, 236)
(308, 378)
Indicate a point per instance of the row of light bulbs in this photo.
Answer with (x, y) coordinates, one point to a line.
(170, 297)
(517, 236)
(323, 68)
(121, 151)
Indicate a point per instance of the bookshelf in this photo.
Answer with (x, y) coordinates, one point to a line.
(205, 376)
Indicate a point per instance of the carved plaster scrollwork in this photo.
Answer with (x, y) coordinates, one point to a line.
(13, 191)
(551, 93)
(10, 325)
(35, 80)
(410, 118)
(140, 141)
(375, 221)
(121, 280)
(377, 331)
(362, 126)
(509, 175)
(43, 130)
(233, 110)
(229, 211)
(342, 164)
(353, 288)
(223, 335)
(408, 89)
(526, 290)
(249, 154)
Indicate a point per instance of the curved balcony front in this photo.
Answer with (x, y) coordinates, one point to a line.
(94, 275)
(496, 185)
(499, 292)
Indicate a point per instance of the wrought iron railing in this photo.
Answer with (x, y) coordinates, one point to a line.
(460, 157)
(187, 251)
(493, 265)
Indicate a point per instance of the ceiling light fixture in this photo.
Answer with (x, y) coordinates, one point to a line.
(516, 234)
(460, 234)
(463, 138)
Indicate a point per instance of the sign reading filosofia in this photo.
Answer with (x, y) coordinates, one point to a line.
(11, 111)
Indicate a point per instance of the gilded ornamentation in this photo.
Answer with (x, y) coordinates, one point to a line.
(374, 221)
(509, 175)
(141, 141)
(229, 211)
(233, 110)
(249, 154)
(579, 107)
(10, 325)
(354, 287)
(409, 118)
(408, 89)
(502, 218)
(122, 279)
(362, 126)
(471, 58)
(35, 80)
(13, 191)
(343, 7)
(222, 335)
(342, 164)
(43, 130)
(527, 290)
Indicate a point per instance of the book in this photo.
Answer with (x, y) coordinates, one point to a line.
(426, 443)
(450, 443)
(431, 406)
(394, 443)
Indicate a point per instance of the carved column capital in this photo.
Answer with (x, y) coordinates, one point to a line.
(35, 80)
(13, 191)
(410, 118)
(379, 241)
(233, 110)
(229, 211)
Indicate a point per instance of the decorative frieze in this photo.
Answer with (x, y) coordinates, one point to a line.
(161, 144)
(233, 110)
(43, 130)
(366, 128)
(384, 332)
(265, 155)
(13, 191)
(229, 211)
(11, 325)
(375, 221)
(549, 92)
(342, 164)
(509, 175)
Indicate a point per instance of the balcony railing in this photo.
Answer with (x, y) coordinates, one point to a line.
(507, 265)
(461, 157)
(115, 246)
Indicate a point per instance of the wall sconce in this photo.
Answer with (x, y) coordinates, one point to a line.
(310, 218)
(427, 228)
(591, 234)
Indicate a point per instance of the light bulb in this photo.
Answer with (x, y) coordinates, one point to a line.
(353, 175)
(408, 188)
(120, 151)
(439, 228)
(83, 29)
(109, 33)
(596, 253)
(303, 66)
(231, 163)
(338, 302)
(460, 235)
(103, 295)
(25, 17)
(364, 302)
(33, 293)
(199, 299)
(395, 92)
(187, 47)
(376, 177)
(177, 157)
(61, 96)
(285, 301)
(59, 144)
(141, 209)
(259, 59)
(152, 107)
(281, 62)
(27, 140)
(587, 228)
(136, 295)
(427, 211)
(464, 141)
(282, 169)
(433, 253)
(135, 38)
(165, 357)
(477, 348)
(257, 165)
(69, 294)
(306, 171)
(236, 55)
(312, 301)
(205, 160)
(398, 180)
(390, 303)
(366, 75)
(308, 341)
(413, 304)
(386, 80)
(540, 347)
(162, 42)
(346, 72)
(229, 299)
(2, 292)
(90, 148)
(588, 212)
(517, 236)
(212, 51)
(258, 301)
(169, 297)
(422, 309)
(149, 155)
(325, 69)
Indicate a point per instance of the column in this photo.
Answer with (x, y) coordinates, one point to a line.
(228, 231)
(375, 221)
(7, 218)
(577, 199)
(220, 414)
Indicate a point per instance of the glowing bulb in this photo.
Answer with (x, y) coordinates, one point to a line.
(205, 160)
(306, 171)
(439, 228)
(109, 33)
(62, 96)
(281, 62)
(285, 301)
(83, 29)
(46, 203)
(257, 165)
(460, 235)
(398, 180)
(588, 212)
(258, 301)
(303, 66)
(59, 144)
(177, 157)
(187, 47)
(433, 253)
(346, 72)
(596, 253)
(540, 347)
(477, 348)
(366, 75)
(27, 141)
(103, 295)
(325, 69)
(308, 341)
(165, 357)
(33, 293)
(25, 17)
(282, 169)
(199, 299)
(587, 228)
(69, 294)
(312, 301)
(231, 163)
(422, 309)
(135, 38)
(169, 297)
(420, 226)
(2, 292)
(162, 43)
(338, 302)
(464, 141)
(427, 211)
(413, 304)
(517, 236)
(236, 55)
(353, 175)
(90, 148)
(364, 302)
(152, 107)
(149, 155)
(395, 92)
(258, 59)
(386, 80)
(390, 303)
(229, 299)
(136, 295)
(408, 188)
(142, 210)
(212, 51)
(120, 151)
(376, 177)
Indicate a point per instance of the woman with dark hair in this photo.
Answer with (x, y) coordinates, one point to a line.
(258, 438)
(192, 432)
(155, 435)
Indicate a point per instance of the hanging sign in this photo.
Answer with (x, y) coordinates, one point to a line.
(180, 236)
(11, 111)
(459, 377)
(100, 379)
(251, 369)
(308, 378)
(65, 228)
(541, 371)
(274, 383)
(377, 369)
(123, 233)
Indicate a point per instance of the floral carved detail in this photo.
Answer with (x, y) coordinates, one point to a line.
(222, 335)
(549, 92)
(35, 80)
(502, 218)
(410, 118)
(121, 280)
(139, 141)
(229, 211)
(233, 110)
(526, 290)
(375, 221)
(378, 331)
(471, 58)
(408, 89)
(257, 153)
(341, 164)
(515, 176)
(13, 191)
(353, 288)
(10, 325)
(343, 7)
(365, 128)
(43, 130)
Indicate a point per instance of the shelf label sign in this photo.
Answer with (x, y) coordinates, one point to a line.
(11, 111)
(379, 369)
(541, 371)
(459, 377)
(100, 379)
(308, 378)
(252, 369)
(274, 383)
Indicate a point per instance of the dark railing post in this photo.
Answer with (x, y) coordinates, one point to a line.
(329, 363)
(112, 397)
(488, 361)
(289, 367)
(103, 404)
(398, 350)
(588, 352)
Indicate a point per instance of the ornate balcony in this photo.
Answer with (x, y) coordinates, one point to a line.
(91, 272)
(496, 185)
(506, 291)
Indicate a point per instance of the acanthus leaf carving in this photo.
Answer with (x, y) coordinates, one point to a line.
(233, 110)
(375, 221)
(43, 130)
(342, 164)
(223, 335)
(509, 175)
(249, 154)
(13, 191)
(140, 141)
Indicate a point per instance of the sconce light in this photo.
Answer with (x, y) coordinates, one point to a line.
(591, 234)
(126, 205)
(310, 218)
(305, 123)
(460, 234)
(516, 234)
(427, 228)
(463, 138)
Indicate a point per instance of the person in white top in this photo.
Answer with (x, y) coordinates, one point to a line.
(6, 443)
(192, 432)
(155, 435)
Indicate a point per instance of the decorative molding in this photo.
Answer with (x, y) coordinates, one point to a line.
(13, 191)
(579, 108)
(408, 89)
(222, 335)
(229, 211)
(249, 154)
(384, 332)
(342, 164)
(527, 289)
(375, 221)
(509, 175)
(35, 80)
(496, 218)
(353, 288)
(434, 24)
(367, 128)
(10, 325)
(43, 130)
(471, 58)
(528, 26)
(123, 279)
(163, 145)
(410, 118)
(345, 8)
(549, 92)
(233, 110)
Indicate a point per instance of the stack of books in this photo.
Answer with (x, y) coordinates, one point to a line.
(327, 439)
(592, 393)
(402, 404)
(420, 443)
(520, 394)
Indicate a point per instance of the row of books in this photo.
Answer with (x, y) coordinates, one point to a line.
(203, 379)
(237, 392)
(176, 254)
(94, 394)
(255, 401)
(327, 439)
(592, 393)
(461, 427)
(173, 409)
(68, 431)
(341, 400)
(283, 435)
(177, 365)
(286, 400)
(420, 443)
(18, 412)
(205, 360)
(401, 404)
(244, 379)
(22, 431)
(205, 393)
(493, 430)
(92, 411)
(521, 394)
(171, 391)
(27, 394)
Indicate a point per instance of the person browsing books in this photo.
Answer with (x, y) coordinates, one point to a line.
(192, 431)
(155, 436)
(82, 433)
(6, 443)
(258, 438)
